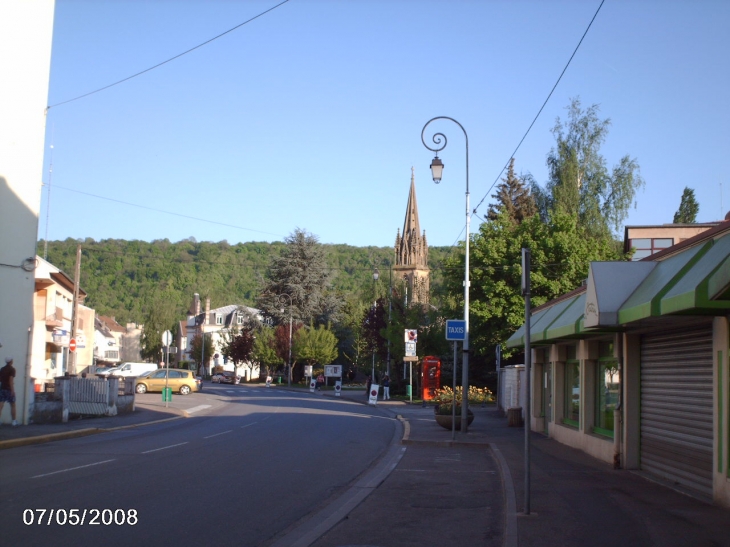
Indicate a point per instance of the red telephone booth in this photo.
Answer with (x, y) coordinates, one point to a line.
(431, 376)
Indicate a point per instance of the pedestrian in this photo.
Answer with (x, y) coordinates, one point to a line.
(7, 388)
(320, 381)
(386, 387)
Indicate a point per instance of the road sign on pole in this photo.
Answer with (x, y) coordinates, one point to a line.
(455, 329)
(72, 345)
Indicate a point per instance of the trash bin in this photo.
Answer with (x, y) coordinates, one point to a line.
(279, 380)
(166, 394)
(408, 391)
(514, 417)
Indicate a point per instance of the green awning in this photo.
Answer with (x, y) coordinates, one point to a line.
(646, 299)
(518, 338)
(539, 329)
(704, 287)
(570, 321)
(561, 315)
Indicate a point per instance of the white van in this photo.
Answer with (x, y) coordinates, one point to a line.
(126, 370)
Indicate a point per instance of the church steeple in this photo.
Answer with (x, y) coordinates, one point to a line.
(411, 250)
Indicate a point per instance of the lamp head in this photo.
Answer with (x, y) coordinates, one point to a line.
(437, 169)
(376, 274)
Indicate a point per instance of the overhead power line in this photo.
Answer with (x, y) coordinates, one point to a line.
(542, 107)
(168, 60)
(168, 212)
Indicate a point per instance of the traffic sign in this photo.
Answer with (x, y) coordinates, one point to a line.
(373, 395)
(455, 329)
(72, 345)
(166, 338)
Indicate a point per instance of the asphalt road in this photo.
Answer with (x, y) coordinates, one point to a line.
(249, 464)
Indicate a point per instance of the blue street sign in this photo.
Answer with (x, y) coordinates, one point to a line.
(455, 329)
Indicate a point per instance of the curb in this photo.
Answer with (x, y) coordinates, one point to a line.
(39, 439)
(50, 437)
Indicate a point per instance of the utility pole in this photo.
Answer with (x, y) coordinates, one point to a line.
(75, 312)
(528, 372)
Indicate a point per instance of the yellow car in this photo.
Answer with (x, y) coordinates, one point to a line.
(182, 381)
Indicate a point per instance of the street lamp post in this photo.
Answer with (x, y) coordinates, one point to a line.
(437, 168)
(390, 309)
(376, 274)
(288, 366)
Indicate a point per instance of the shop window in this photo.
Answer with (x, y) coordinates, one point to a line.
(572, 393)
(607, 386)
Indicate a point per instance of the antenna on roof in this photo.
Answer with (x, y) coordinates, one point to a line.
(48, 200)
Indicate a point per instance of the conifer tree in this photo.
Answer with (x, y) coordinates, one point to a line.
(301, 271)
(688, 208)
(513, 197)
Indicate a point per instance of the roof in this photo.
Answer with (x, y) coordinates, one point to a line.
(690, 278)
(111, 323)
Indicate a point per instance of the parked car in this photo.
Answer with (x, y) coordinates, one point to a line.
(126, 370)
(181, 381)
(225, 377)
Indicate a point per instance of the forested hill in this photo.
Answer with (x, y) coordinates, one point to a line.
(122, 278)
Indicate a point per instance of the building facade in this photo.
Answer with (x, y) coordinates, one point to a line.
(633, 367)
(51, 333)
(217, 324)
(26, 34)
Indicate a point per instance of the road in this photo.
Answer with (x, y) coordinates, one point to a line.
(247, 465)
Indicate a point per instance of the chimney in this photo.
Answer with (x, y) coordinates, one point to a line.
(195, 308)
(207, 311)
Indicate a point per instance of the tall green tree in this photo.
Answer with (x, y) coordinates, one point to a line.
(264, 351)
(349, 332)
(160, 315)
(202, 350)
(513, 196)
(315, 345)
(560, 251)
(580, 182)
(688, 208)
(302, 272)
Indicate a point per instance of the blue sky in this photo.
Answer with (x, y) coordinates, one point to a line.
(311, 115)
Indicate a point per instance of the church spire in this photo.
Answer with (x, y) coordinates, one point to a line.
(411, 224)
(411, 250)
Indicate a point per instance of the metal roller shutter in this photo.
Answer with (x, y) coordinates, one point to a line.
(676, 407)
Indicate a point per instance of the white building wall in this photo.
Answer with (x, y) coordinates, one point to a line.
(26, 32)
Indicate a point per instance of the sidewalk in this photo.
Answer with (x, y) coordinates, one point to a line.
(471, 491)
(441, 493)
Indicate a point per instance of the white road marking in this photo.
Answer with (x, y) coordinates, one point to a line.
(221, 433)
(197, 408)
(165, 447)
(71, 469)
(248, 424)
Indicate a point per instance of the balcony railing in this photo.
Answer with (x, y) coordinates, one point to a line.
(54, 320)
